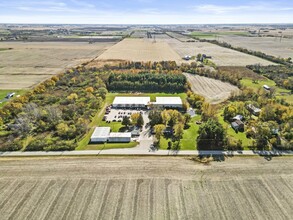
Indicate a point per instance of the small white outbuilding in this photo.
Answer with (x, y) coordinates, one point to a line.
(100, 135)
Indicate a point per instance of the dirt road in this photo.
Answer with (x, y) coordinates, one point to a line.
(145, 188)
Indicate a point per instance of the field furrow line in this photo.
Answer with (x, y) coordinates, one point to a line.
(53, 203)
(120, 201)
(230, 200)
(64, 199)
(282, 213)
(72, 199)
(167, 199)
(142, 211)
(183, 210)
(247, 188)
(41, 195)
(77, 207)
(93, 208)
(225, 201)
(135, 199)
(174, 199)
(112, 200)
(11, 191)
(104, 199)
(280, 189)
(151, 199)
(160, 198)
(88, 201)
(16, 208)
(4, 184)
(128, 198)
(288, 185)
(207, 192)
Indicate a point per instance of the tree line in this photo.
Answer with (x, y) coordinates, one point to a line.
(147, 82)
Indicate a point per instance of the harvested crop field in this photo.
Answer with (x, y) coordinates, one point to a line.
(28, 64)
(145, 188)
(220, 56)
(269, 45)
(215, 91)
(140, 50)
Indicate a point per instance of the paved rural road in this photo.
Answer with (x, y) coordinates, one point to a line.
(143, 152)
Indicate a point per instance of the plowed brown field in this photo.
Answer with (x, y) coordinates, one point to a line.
(145, 188)
(215, 91)
(140, 50)
(30, 63)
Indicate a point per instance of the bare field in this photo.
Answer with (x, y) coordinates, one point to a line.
(220, 56)
(145, 188)
(140, 50)
(30, 63)
(269, 45)
(215, 91)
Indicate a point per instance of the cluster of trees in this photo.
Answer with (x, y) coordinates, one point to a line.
(212, 136)
(195, 100)
(54, 115)
(169, 123)
(235, 108)
(262, 55)
(135, 119)
(273, 127)
(281, 75)
(147, 82)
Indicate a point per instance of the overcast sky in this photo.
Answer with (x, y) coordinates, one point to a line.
(146, 11)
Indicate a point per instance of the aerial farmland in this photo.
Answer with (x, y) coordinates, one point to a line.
(143, 188)
(140, 50)
(215, 91)
(27, 64)
(220, 56)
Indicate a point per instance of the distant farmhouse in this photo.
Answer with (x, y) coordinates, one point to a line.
(237, 123)
(253, 110)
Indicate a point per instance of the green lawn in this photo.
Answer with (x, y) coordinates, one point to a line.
(115, 126)
(280, 92)
(188, 141)
(108, 146)
(246, 142)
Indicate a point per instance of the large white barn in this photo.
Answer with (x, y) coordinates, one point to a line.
(131, 102)
(168, 102)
